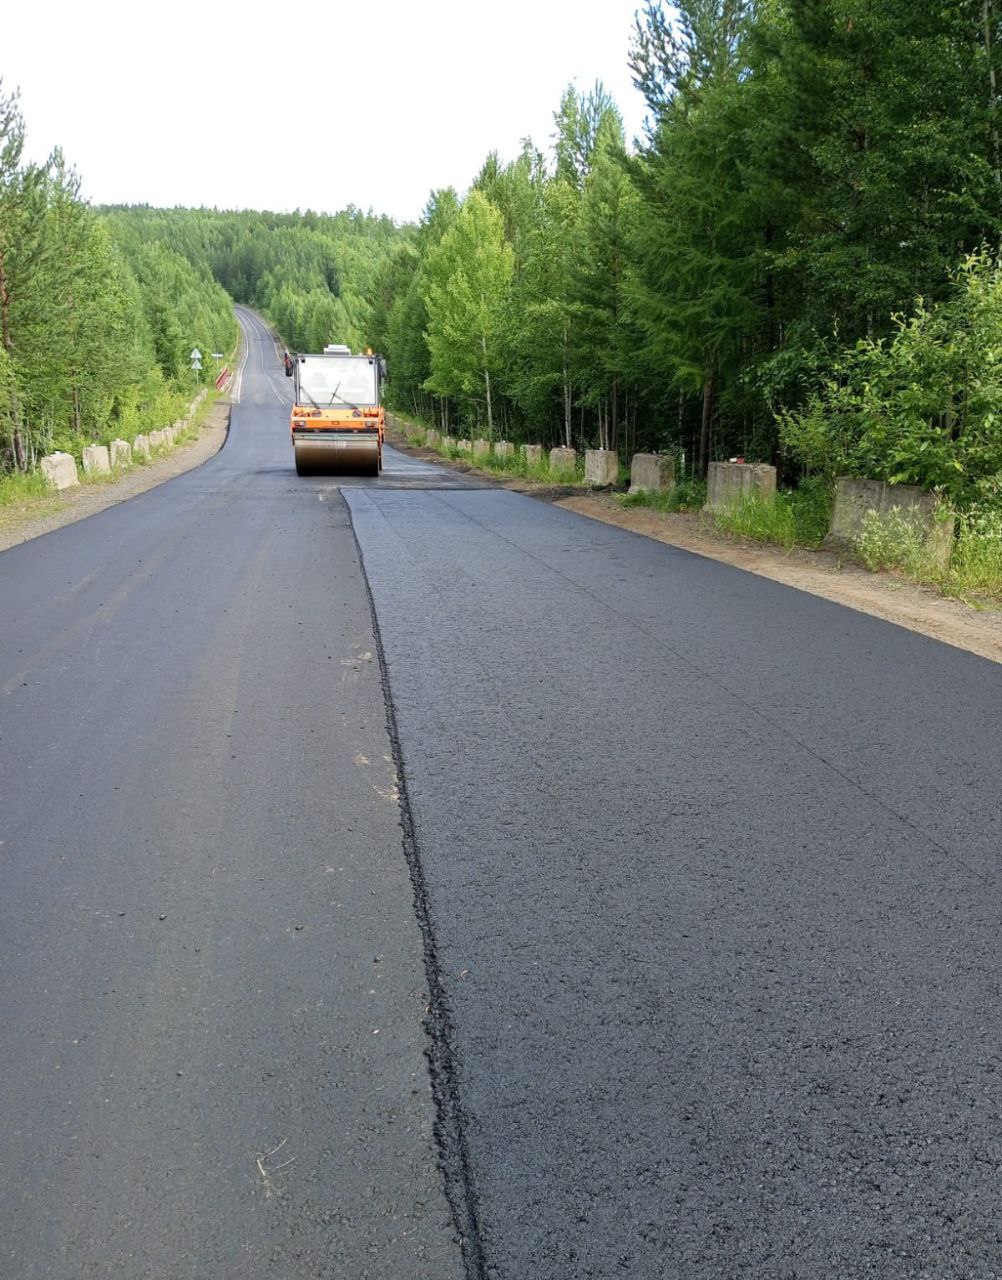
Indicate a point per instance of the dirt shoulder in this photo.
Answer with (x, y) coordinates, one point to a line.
(23, 521)
(820, 573)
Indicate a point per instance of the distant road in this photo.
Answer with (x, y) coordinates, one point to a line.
(709, 869)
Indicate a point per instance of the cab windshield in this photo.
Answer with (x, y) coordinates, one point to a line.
(332, 380)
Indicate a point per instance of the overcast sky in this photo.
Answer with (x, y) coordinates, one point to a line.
(309, 104)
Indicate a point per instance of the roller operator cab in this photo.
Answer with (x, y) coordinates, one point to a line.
(337, 422)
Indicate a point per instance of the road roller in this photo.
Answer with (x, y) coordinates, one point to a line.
(337, 422)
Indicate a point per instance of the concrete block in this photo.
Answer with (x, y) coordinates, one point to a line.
(855, 498)
(464, 446)
(504, 449)
(562, 459)
(96, 460)
(481, 448)
(141, 447)
(651, 473)
(533, 454)
(727, 483)
(120, 452)
(601, 466)
(431, 439)
(158, 441)
(60, 469)
(448, 442)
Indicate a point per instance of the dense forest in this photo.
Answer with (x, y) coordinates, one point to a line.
(797, 262)
(96, 325)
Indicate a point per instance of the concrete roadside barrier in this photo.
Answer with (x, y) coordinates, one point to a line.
(651, 473)
(447, 442)
(503, 449)
(601, 467)
(562, 459)
(120, 453)
(141, 447)
(158, 441)
(431, 439)
(727, 483)
(96, 461)
(60, 469)
(855, 499)
(532, 453)
(481, 448)
(464, 446)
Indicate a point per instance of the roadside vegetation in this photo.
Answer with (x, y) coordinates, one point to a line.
(797, 263)
(95, 328)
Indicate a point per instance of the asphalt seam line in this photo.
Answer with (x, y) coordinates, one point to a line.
(453, 1152)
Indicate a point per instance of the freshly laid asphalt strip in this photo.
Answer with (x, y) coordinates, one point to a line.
(212, 981)
(712, 873)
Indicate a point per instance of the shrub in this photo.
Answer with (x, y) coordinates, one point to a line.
(895, 540)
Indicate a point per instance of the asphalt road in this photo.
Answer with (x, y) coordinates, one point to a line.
(706, 876)
(713, 874)
(212, 980)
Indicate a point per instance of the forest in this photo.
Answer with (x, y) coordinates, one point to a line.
(797, 262)
(96, 323)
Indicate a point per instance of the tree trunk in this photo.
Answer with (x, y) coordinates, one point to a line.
(5, 334)
(704, 425)
(567, 392)
(986, 16)
(490, 407)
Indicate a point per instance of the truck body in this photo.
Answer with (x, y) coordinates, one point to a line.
(337, 422)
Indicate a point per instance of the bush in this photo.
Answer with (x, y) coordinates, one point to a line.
(894, 540)
(925, 406)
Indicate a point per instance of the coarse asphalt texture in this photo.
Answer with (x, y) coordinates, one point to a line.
(707, 872)
(712, 869)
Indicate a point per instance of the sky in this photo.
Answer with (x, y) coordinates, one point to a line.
(307, 104)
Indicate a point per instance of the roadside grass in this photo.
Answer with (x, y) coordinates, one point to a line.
(895, 542)
(687, 495)
(976, 565)
(18, 488)
(794, 517)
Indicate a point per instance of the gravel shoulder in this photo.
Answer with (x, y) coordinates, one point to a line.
(29, 520)
(820, 573)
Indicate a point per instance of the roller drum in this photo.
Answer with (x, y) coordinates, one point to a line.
(342, 455)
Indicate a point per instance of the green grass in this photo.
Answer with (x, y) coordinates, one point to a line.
(687, 495)
(794, 517)
(976, 566)
(18, 488)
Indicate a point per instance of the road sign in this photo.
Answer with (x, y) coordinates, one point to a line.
(217, 355)
(196, 354)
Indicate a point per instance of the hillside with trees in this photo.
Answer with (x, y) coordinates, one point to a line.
(95, 326)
